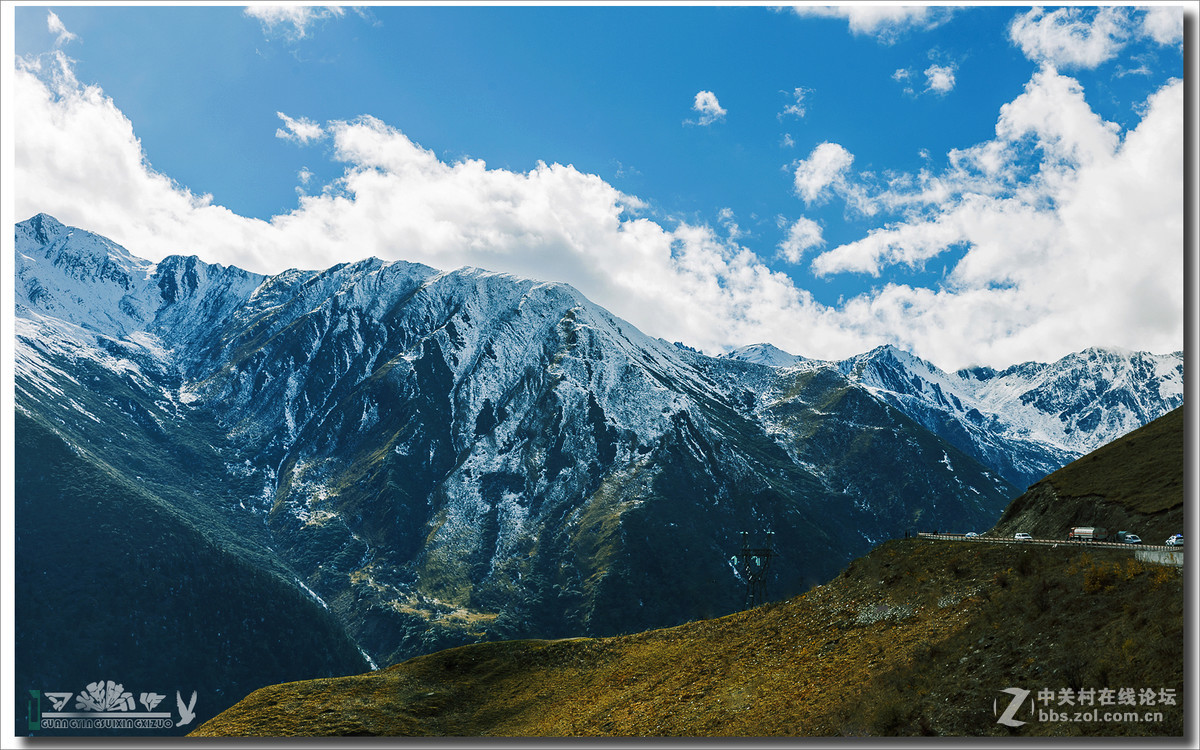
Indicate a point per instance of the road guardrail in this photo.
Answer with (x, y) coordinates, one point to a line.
(1086, 543)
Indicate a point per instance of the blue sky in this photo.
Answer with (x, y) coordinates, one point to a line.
(955, 181)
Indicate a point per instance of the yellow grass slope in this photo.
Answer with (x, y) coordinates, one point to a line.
(918, 637)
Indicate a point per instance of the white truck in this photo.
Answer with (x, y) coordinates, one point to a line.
(1087, 534)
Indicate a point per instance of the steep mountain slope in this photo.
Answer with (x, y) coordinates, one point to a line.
(448, 456)
(918, 637)
(1024, 421)
(1134, 483)
(1086, 399)
(114, 582)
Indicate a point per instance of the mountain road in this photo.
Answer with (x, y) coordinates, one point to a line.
(1049, 542)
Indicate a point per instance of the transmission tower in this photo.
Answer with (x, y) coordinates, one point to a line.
(754, 562)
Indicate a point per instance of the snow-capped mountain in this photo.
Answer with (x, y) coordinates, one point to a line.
(764, 354)
(1024, 421)
(441, 456)
(1083, 400)
(1032, 418)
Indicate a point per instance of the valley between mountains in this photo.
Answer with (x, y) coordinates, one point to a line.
(256, 479)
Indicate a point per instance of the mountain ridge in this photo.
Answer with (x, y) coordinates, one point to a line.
(1026, 419)
(444, 456)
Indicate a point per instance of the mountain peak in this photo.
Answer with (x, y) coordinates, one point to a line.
(43, 220)
(1107, 353)
(893, 352)
(763, 354)
(43, 227)
(80, 277)
(50, 237)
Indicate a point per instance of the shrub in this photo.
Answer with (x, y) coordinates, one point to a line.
(1161, 575)
(1133, 567)
(1099, 577)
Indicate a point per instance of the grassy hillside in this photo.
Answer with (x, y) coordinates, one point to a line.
(1134, 483)
(918, 637)
(1142, 471)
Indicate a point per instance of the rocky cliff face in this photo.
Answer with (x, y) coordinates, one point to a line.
(448, 456)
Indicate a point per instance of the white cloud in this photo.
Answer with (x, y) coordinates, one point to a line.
(1163, 24)
(302, 131)
(78, 158)
(825, 166)
(56, 27)
(727, 219)
(1052, 110)
(804, 234)
(709, 108)
(293, 20)
(908, 244)
(797, 108)
(885, 22)
(624, 170)
(903, 76)
(1141, 70)
(1076, 37)
(939, 78)
(1080, 247)
(1071, 37)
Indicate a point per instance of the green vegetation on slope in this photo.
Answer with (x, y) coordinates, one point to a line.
(918, 637)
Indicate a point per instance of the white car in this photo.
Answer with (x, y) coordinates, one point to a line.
(1021, 536)
(1176, 540)
(972, 535)
(1133, 539)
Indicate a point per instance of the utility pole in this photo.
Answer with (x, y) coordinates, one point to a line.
(754, 562)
